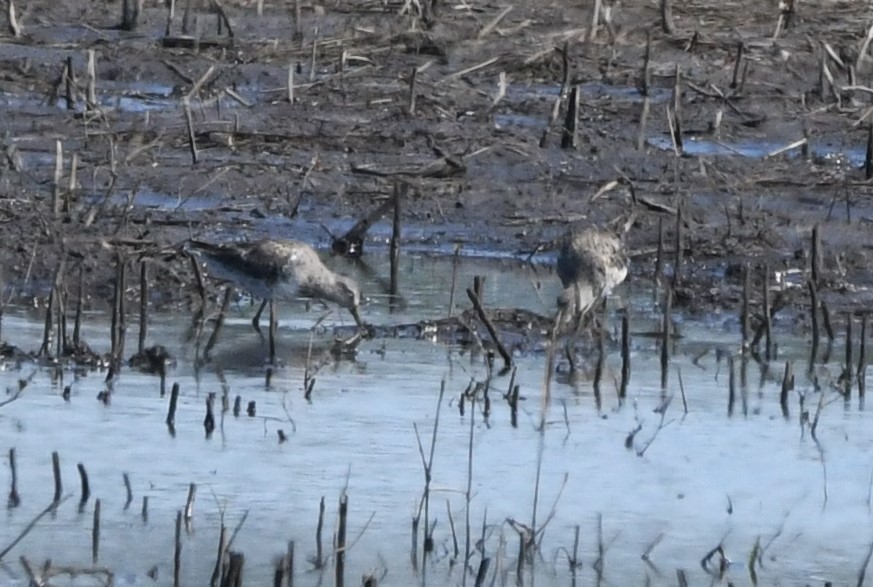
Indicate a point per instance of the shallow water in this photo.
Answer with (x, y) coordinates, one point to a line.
(706, 477)
(824, 151)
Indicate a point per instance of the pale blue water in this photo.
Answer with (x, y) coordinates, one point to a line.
(357, 433)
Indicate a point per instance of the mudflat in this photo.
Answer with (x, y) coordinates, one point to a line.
(301, 119)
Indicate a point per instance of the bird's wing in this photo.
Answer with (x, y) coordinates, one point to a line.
(253, 260)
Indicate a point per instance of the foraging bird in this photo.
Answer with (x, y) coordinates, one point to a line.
(280, 269)
(590, 264)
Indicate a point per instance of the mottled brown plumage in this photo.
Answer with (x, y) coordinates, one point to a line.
(280, 269)
(590, 264)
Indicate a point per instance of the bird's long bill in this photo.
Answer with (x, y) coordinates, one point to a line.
(356, 315)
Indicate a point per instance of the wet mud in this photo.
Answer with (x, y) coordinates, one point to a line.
(459, 107)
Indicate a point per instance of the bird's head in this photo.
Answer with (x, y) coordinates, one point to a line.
(576, 299)
(347, 293)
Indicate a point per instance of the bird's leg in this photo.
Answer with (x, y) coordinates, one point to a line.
(363, 330)
(272, 335)
(598, 318)
(570, 353)
(570, 347)
(256, 321)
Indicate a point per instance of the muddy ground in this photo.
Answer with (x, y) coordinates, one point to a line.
(478, 169)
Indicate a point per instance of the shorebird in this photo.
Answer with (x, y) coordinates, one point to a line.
(280, 269)
(590, 264)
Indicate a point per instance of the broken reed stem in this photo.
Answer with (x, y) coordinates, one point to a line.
(312, 56)
(209, 420)
(868, 156)
(115, 325)
(468, 494)
(14, 499)
(815, 255)
(595, 18)
(143, 304)
(319, 553)
(480, 311)
(61, 306)
(645, 91)
(129, 14)
(479, 287)
(428, 476)
(556, 106)
(289, 565)
(768, 321)
(340, 560)
(86, 488)
(73, 184)
(482, 573)
(682, 389)
(598, 366)
(77, 324)
(171, 13)
(822, 73)
(625, 356)
(813, 310)
(235, 563)
(69, 83)
(737, 66)
(171, 412)
(513, 405)
(665, 341)
(862, 359)
(455, 549)
(14, 27)
(177, 551)
(787, 385)
(219, 322)
(128, 490)
(45, 349)
(744, 318)
(732, 385)
(849, 369)
(56, 471)
(395, 241)
(192, 141)
(189, 503)
(455, 260)
(92, 80)
(95, 533)
(290, 83)
(122, 321)
(186, 14)
(659, 259)
(826, 319)
(679, 253)
(219, 560)
(677, 109)
(144, 511)
(667, 24)
(413, 81)
(59, 176)
(271, 333)
(570, 135)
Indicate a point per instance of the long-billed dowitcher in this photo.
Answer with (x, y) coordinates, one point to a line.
(280, 269)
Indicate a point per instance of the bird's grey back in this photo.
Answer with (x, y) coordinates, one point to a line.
(594, 256)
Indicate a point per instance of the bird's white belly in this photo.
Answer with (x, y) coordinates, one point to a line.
(614, 276)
